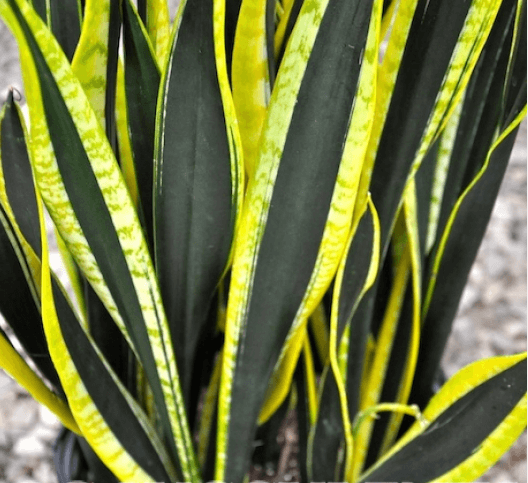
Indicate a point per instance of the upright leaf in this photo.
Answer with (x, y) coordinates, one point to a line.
(458, 249)
(19, 245)
(196, 184)
(443, 46)
(73, 162)
(142, 80)
(251, 76)
(298, 210)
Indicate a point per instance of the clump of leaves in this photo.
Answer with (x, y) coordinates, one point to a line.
(264, 205)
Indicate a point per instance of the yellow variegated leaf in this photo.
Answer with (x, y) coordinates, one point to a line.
(250, 77)
(492, 449)
(386, 79)
(447, 142)
(158, 27)
(91, 55)
(469, 46)
(45, 66)
(436, 264)
(90, 421)
(339, 218)
(18, 369)
(411, 223)
(381, 356)
(123, 135)
(474, 377)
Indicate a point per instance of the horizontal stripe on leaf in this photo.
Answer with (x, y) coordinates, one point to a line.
(250, 76)
(194, 207)
(289, 202)
(459, 419)
(96, 58)
(158, 27)
(92, 391)
(19, 293)
(104, 235)
(108, 397)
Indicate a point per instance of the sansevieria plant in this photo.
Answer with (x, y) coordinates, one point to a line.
(264, 206)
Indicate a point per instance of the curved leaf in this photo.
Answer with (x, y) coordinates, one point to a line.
(353, 279)
(109, 418)
(467, 426)
(104, 235)
(444, 44)
(18, 369)
(19, 245)
(339, 215)
(458, 248)
(298, 210)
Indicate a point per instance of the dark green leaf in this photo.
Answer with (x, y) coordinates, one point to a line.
(432, 38)
(232, 11)
(457, 432)
(18, 305)
(109, 339)
(18, 177)
(461, 249)
(142, 79)
(194, 211)
(41, 8)
(480, 113)
(66, 24)
(111, 74)
(105, 394)
(328, 441)
(95, 220)
(298, 213)
(329, 433)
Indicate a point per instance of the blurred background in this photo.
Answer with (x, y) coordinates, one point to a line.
(491, 320)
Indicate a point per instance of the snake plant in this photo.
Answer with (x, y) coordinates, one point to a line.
(263, 206)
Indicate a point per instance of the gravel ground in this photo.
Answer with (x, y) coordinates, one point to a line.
(491, 321)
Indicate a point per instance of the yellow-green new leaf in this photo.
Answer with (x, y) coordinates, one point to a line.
(250, 77)
(316, 164)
